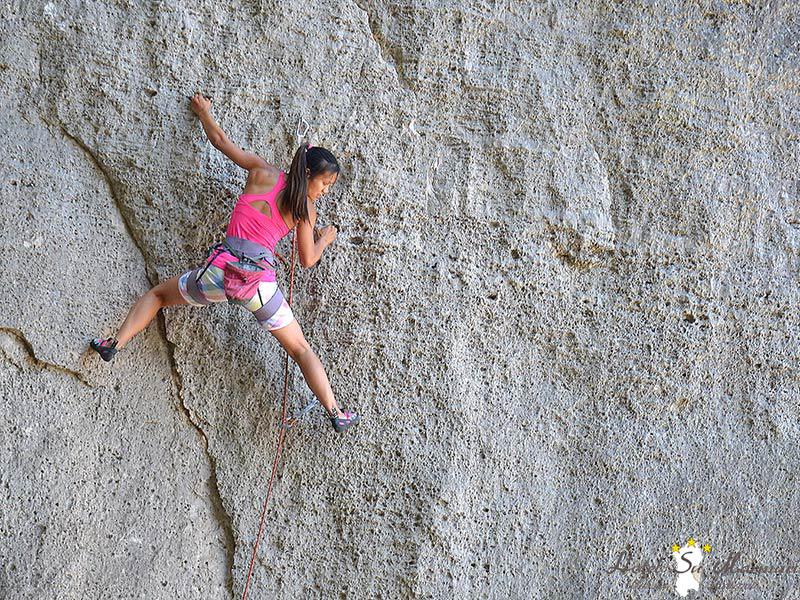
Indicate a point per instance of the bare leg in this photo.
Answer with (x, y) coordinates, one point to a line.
(294, 342)
(164, 294)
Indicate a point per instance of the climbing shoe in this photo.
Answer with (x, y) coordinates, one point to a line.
(106, 348)
(343, 420)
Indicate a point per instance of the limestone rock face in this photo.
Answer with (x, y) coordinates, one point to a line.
(563, 298)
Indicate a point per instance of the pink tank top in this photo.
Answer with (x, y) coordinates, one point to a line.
(252, 224)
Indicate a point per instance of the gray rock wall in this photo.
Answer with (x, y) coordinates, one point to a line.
(563, 297)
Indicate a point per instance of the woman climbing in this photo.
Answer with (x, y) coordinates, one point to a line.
(242, 269)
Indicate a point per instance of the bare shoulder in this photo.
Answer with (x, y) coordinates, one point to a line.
(262, 179)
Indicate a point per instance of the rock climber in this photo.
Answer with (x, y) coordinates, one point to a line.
(242, 269)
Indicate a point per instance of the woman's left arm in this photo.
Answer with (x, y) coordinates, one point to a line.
(247, 160)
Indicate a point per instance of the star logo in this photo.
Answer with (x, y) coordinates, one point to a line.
(687, 565)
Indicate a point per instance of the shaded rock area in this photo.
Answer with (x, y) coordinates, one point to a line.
(563, 298)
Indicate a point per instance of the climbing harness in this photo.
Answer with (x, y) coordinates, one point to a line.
(243, 275)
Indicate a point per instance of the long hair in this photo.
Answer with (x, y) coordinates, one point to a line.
(318, 161)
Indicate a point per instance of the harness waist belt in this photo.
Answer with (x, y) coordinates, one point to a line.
(247, 249)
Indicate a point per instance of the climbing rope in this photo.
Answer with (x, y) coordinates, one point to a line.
(281, 435)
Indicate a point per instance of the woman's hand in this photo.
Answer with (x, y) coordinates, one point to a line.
(310, 253)
(247, 160)
(326, 234)
(200, 104)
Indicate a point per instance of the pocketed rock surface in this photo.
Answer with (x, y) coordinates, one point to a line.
(563, 298)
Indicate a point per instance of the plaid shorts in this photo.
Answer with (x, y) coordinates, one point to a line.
(268, 306)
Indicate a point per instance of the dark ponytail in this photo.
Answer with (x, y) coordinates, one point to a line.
(318, 161)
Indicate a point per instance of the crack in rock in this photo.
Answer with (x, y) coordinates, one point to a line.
(44, 365)
(115, 194)
(220, 511)
(217, 503)
(391, 56)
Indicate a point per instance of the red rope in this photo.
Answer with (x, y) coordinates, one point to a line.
(281, 435)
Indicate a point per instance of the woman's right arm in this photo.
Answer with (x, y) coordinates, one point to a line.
(247, 160)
